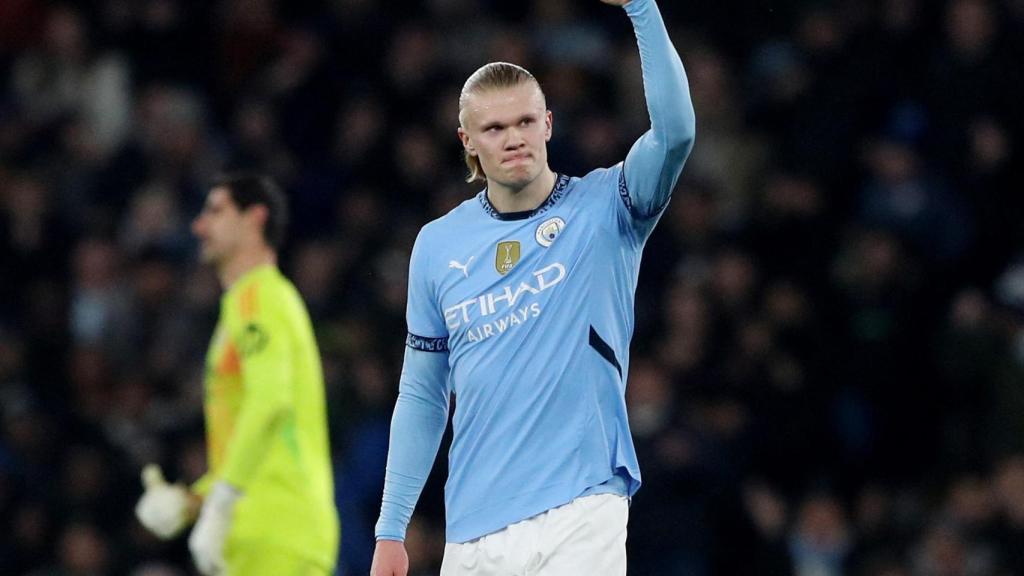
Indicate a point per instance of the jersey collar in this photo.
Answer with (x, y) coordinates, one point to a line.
(561, 184)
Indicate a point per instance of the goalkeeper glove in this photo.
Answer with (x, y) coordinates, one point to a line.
(207, 539)
(163, 508)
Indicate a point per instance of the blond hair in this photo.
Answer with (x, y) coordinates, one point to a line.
(495, 75)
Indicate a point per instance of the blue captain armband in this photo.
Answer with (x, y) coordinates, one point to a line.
(426, 344)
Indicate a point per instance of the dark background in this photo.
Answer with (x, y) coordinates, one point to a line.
(828, 367)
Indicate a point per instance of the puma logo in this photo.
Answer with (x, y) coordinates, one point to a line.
(464, 267)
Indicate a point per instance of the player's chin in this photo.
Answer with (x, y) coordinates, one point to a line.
(519, 176)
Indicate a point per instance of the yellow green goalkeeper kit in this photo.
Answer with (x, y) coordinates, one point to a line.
(266, 424)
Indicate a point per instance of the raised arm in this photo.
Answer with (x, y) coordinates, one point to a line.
(655, 161)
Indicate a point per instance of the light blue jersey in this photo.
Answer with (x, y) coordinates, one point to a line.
(526, 318)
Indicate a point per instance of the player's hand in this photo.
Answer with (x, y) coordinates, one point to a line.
(163, 508)
(390, 559)
(207, 539)
(616, 2)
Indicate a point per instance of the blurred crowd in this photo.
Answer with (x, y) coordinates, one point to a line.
(828, 364)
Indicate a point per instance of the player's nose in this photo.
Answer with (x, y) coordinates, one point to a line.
(515, 139)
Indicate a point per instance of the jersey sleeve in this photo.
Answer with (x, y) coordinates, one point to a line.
(421, 411)
(417, 425)
(427, 329)
(656, 159)
(261, 334)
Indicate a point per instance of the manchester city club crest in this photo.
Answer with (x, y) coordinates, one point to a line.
(506, 256)
(549, 230)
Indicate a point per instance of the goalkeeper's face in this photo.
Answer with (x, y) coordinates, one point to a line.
(508, 129)
(221, 228)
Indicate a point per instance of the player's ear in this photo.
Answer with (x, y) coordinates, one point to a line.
(466, 142)
(258, 214)
(548, 125)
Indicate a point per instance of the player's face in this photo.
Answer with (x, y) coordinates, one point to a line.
(219, 227)
(508, 129)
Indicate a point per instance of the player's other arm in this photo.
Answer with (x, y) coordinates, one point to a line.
(419, 420)
(656, 160)
(167, 509)
(421, 413)
(264, 346)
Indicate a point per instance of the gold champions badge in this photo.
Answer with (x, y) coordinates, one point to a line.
(506, 257)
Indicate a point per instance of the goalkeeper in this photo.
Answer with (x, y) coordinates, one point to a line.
(266, 504)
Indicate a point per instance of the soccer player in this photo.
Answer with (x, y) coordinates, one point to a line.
(521, 305)
(267, 498)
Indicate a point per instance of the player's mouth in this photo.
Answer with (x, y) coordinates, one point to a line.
(517, 159)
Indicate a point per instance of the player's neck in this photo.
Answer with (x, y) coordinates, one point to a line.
(233, 269)
(529, 197)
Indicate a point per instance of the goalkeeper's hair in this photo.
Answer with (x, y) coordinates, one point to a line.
(248, 189)
(493, 76)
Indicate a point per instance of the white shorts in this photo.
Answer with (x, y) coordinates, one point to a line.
(586, 537)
